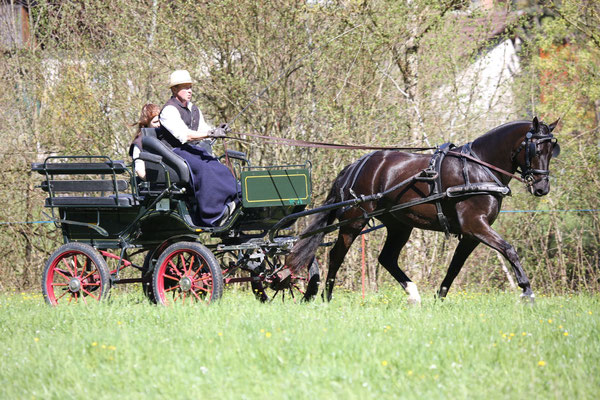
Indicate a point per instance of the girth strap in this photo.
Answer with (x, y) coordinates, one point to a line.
(435, 167)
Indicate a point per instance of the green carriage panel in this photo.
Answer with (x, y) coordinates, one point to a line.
(276, 187)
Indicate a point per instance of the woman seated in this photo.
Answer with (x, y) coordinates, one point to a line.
(148, 119)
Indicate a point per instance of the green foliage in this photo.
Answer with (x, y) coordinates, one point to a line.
(374, 72)
(473, 345)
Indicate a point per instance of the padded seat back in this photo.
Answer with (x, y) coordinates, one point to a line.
(179, 172)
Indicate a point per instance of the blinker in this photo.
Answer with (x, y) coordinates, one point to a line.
(556, 150)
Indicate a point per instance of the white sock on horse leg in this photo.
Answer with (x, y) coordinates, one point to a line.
(413, 293)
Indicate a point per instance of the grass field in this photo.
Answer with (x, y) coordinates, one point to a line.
(472, 346)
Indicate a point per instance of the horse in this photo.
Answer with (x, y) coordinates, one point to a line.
(458, 191)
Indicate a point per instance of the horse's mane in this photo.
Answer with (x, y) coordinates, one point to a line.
(499, 132)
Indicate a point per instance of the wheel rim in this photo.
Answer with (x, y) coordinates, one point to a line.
(73, 276)
(184, 276)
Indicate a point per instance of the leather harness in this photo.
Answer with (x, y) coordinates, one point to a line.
(433, 174)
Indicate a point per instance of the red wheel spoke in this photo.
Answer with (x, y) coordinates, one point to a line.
(297, 288)
(84, 300)
(63, 275)
(64, 260)
(183, 263)
(202, 278)
(176, 296)
(200, 268)
(63, 295)
(191, 264)
(92, 284)
(172, 288)
(88, 275)
(201, 288)
(174, 267)
(171, 277)
(89, 294)
(75, 264)
(59, 284)
(85, 267)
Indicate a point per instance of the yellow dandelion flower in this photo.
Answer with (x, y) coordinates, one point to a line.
(409, 373)
(220, 333)
(262, 331)
(560, 327)
(524, 333)
(566, 333)
(112, 348)
(94, 344)
(512, 334)
(384, 363)
(36, 339)
(119, 323)
(103, 346)
(550, 321)
(541, 363)
(589, 312)
(268, 334)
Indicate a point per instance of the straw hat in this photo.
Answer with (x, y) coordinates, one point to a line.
(178, 77)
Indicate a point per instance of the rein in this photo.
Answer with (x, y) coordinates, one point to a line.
(490, 166)
(326, 145)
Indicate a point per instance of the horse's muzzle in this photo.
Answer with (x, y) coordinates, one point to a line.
(540, 187)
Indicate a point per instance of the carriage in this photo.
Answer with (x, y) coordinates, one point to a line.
(107, 215)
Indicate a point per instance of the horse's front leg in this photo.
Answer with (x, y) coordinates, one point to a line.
(490, 237)
(463, 251)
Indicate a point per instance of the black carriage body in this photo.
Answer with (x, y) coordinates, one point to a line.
(99, 204)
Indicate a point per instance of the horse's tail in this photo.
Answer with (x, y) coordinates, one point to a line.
(304, 249)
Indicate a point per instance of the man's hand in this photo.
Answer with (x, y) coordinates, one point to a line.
(217, 133)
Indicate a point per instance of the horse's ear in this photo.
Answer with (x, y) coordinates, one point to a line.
(553, 125)
(536, 124)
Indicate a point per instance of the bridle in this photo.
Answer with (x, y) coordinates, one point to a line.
(530, 144)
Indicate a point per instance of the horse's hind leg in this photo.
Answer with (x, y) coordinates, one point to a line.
(394, 242)
(345, 239)
(463, 251)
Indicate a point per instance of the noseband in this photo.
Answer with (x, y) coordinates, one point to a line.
(532, 140)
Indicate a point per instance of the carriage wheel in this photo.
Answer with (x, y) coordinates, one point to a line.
(147, 285)
(75, 272)
(187, 272)
(290, 287)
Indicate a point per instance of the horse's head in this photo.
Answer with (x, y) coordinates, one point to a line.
(533, 156)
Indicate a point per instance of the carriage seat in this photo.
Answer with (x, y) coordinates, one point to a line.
(63, 176)
(178, 169)
(169, 161)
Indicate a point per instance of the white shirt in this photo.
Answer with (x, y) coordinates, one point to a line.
(171, 119)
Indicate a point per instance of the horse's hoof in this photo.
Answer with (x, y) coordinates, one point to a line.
(413, 302)
(528, 299)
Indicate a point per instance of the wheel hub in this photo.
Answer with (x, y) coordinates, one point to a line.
(185, 284)
(74, 285)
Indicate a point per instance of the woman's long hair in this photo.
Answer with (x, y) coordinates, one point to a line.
(149, 111)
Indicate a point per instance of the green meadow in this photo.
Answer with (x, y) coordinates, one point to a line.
(474, 345)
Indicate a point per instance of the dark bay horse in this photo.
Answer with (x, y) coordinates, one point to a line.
(473, 180)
